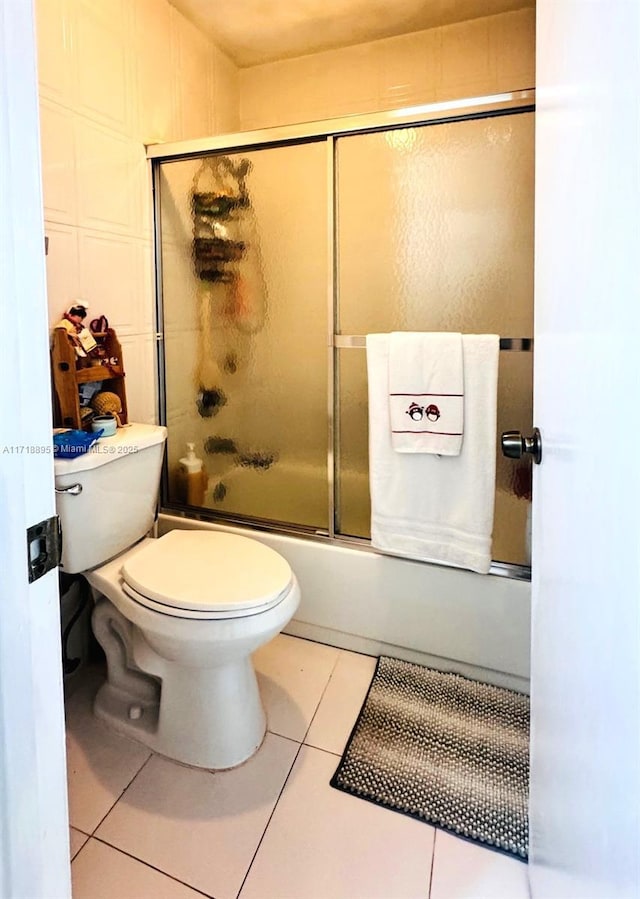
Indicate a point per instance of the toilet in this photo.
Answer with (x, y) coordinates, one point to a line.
(178, 616)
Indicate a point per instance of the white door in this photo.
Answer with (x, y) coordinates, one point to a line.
(586, 548)
(34, 853)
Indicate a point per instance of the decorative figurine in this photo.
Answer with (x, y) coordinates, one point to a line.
(73, 323)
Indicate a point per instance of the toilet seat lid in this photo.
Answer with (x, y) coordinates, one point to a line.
(208, 571)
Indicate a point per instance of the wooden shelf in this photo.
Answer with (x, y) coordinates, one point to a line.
(98, 373)
(67, 376)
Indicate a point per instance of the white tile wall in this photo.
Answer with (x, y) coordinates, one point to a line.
(513, 47)
(114, 272)
(103, 60)
(472, 58)
(139, 353)
(63, 268)
(157, 115)
(226, 95)
(354, 78)
(468, 66)
(410, 66)
(195, 64)
(53, 26)
(114, 75)
(58, 163)
(106, 179)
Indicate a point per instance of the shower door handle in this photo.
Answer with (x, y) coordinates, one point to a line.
(514, 445)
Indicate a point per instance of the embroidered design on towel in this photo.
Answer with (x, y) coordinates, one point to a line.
(425, 380)
(426, 412)
(416, 412)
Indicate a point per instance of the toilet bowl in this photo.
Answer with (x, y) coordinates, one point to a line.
(178, 620)
(178, 616)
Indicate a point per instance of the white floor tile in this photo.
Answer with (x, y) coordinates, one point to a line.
(100, 872)
(100, 763)
(324, 844)
(464, 870)
(76, 841)
(293, 674)
(341, 702)
(198, 826)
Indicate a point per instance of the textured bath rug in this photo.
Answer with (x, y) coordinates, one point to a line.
(448, 750)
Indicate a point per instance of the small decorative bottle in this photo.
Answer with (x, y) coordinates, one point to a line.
(192, 478)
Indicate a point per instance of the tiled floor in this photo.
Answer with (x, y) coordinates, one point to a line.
(143, 827)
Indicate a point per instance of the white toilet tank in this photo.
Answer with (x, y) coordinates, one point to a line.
(119, 477)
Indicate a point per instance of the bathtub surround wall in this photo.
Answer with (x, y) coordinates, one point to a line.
(469, 59)
(116, 75)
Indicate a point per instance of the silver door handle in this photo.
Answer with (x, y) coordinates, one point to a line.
(74, 489)
(514, 445)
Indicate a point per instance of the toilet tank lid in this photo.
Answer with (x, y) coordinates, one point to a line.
(208, 570)
(130, 439)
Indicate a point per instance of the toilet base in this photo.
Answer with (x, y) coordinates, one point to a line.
(186, 688)
(223, 735)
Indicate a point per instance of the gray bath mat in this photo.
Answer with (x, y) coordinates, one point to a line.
(448, 750)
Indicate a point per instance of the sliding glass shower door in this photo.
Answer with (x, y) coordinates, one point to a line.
(244, 272)
(435, 233)
(277, 260)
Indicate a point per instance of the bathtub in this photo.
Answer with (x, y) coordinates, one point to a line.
(358, 599)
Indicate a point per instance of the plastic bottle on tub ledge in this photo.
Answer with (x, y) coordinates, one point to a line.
(192, 478)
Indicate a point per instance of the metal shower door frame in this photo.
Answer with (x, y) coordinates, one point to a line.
(329, 130)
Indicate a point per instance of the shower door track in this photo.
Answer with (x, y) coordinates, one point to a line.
(426, 114)
(328, 130)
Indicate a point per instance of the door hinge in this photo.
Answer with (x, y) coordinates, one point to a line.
(44, 547)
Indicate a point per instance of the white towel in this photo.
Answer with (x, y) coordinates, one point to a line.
(426, 392)
(427, 507)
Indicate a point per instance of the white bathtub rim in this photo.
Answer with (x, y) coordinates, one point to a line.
(447, 618)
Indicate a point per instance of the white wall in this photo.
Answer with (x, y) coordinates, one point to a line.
(468, 59)
(115, 75)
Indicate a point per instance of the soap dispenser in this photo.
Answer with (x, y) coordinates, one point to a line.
(192, 478)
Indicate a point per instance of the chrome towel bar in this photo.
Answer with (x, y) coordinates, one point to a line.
(509, 344)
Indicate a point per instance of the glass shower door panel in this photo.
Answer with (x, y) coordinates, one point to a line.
(244, 269)
(353, 501)
(435, 233)
(435, 228)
